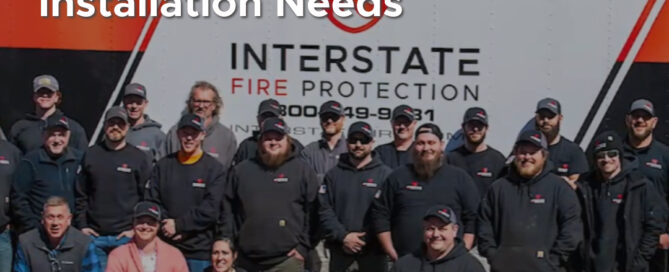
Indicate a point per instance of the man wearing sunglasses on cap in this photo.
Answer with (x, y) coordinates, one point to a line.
(653, 160)
(346, 196)
(623, 211)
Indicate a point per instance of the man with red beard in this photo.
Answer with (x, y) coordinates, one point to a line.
(653, 160)
(188, 186)
(398, 152)
(412, 189)
(269, 202)
(568, 158)
(530, 219)
(482, 162)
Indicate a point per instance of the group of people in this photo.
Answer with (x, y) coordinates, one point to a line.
(193, 200)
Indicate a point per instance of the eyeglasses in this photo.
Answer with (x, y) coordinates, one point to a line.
(609, 153)
(202, 102)
(326, 117)
(355, 140)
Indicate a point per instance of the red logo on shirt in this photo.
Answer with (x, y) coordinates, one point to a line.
(369, 183)
(199, 180)
(144, 144)
(414, 186)
(281, 178)
(538, 199)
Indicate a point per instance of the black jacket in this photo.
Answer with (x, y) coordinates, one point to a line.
(269, 209)
(405, 198)
(191, 195)
(110, 184)
(392, 157)
(458, 260)
(529, 225)
(641, 221)
(26, 133)
(9, 160)
(345, 197)
(38, 177)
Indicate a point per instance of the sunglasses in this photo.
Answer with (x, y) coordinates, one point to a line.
(355, 140)
(609, 153)
(326, 117)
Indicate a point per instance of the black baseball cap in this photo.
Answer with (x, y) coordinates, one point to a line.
(331, 107)
(403, 110)
(135, 89)
(430, 128)
(57, 120)
(443, 213)
(147, 208)
(644, 105)
(191, 120)
(45, 81)
(534, 137)
(607, 140)
(269, 106)
(475, 114)
(116, 112)
(549, 104)
(274, 124)
(361, 127)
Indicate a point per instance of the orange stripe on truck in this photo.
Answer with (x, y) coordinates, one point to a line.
(656, 47)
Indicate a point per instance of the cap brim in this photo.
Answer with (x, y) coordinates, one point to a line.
(411, 117)
(283, 132)
(446, 221)
(641, 109)
(548, 109)
(50, 88)
(476, 118)
(331, 111)
(191, 125)
(154, 216)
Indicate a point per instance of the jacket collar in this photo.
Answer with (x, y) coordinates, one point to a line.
(68, 156)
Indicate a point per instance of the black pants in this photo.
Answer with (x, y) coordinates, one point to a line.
(368, 262)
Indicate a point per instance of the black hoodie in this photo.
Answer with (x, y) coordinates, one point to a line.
(26, 133)
(458, 260)
(529, 225)
(346, 196)
(248, 148)
(271, 208)
(624, 217)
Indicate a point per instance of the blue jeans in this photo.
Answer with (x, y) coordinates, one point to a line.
(105, 244)
(5, 251)
(195, 265)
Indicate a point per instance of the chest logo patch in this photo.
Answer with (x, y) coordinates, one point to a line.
(4, 160)
(618, 199)
(199, 183)
(538, 199)
(124, 168)
(414, 186)
(370, 183)
(485, 172)
(654, 163)
(281, 178)
(564, 168)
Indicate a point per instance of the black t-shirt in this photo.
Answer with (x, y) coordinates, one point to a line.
(392, 157)
(653, 163)
(484, 167)
(568, 158)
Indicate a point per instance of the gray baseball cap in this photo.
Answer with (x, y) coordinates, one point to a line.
(644, 105)
(135, 89)
(534, 137)
(116, 112)
(549, 104)
(45, 81)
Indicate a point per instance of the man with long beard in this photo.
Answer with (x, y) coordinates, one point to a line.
(653, 160)
(482, 162)
(398, 152)
(112, 180)
(269, 201)
(530, 219)
(346, 196)
(188, 186)
(568, 158)
(413, 188)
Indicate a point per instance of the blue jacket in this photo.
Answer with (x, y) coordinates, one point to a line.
(38, 177)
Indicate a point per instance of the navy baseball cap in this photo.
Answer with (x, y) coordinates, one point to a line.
(361, 127)
(191, 120)
(147, 208)
(57, 120)
(549, 104)
(443, 213)
(274, 124)
(475, 114)
(607, 140)
(644, 105)
(269, 106)
(45, 81)
(430, 128)
(331, 107)
(534, 137)
(403, 110)
(135, 89)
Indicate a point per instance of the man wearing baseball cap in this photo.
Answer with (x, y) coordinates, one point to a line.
(568, 158)
(111, 181)
(653, 162)
(144, 132)
(27, 133)
(269, 201)
(345, 198)
(188, 187)
(624, 212)
(48, 171)
(412, 189)
(398, 152)
(146, 251)
(482, 162)
(441, 250)
(530, 219)
(249, 147)
(219, 141)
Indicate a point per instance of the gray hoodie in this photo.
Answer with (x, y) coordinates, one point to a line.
(148, 137)
(219, 142)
